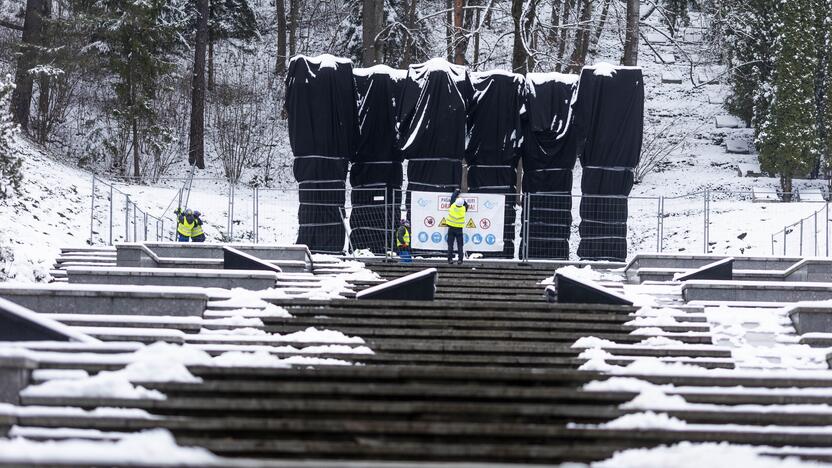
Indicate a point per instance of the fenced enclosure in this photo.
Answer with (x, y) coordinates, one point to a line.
(539, 225)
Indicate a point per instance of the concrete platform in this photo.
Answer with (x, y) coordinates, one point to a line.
(104, 299)
(698, 290)
(191, 277)
(293, 258)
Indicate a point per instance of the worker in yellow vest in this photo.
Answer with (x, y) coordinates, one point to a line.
(403, 241)
(185, 226)
(197, 234)
(456, 221)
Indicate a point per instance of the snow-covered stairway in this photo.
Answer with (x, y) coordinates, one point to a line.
(487, 373)
(82, 256)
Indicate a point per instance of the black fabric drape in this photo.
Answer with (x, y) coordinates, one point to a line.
(376, 171)
(549, 154)
(494, 136)
(609, 124)
(434, 105)
(323, 134)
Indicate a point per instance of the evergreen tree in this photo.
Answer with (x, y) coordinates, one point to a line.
(9, 162)
(136, 42)
(750, 28)
(787, 139)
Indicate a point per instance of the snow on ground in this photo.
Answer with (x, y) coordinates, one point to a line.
(690, 455)
(153, 447)
(49, 215)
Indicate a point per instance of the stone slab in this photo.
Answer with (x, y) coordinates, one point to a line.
(189, 277)
(108, 299)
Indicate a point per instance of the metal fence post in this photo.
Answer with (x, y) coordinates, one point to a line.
(126, 218)
(772, 244)
(527, 203)
(92, 209)
(801, 237)
(135, 224)
(707, 216)
(230, 215)
(815, 214)
(256, 215)
(112, 194)
(785, 230)
(145, 227)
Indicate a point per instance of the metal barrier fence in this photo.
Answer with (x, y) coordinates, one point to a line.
(808, 236)
(715, 221)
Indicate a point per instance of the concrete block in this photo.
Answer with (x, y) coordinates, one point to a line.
(15, 375)
(106, 299)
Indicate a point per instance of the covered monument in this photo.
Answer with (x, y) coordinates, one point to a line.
(376, 171)
(432, 117)
(609, 123)
(320, 102)
(494, 136)
(549, 153)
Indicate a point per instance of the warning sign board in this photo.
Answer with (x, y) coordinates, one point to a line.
(483, 224)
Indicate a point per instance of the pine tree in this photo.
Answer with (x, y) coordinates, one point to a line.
(787, 139)
(136, 41)
(750, 29)
(10, 174)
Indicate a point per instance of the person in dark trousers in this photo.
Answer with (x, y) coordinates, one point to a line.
(197, 234)
(456, 222)
(403, 242)
(185, 226)
(189, 227)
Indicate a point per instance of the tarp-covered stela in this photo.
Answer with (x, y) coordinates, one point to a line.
(376, 170)
(609, 123)
(439, 116)
(494, 136)
(549, 153)
(323, 133)
(432, 118)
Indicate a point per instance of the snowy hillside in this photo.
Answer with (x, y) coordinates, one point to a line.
(681, 104)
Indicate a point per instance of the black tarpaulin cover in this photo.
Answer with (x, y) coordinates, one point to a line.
(376, 170)
(549, 155)
(432, 117)
(609, 122)
(323, 133)
(494, 136)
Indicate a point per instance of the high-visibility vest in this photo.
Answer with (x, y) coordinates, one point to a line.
(456, 216)
(185, 228)
(406, 238)
(197, 229)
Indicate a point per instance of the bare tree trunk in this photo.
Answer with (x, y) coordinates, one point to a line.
(411, 31)
(476, 59)
(293, 26)
(22, 94)
(556, 8)
(449, 31)
(210, 62)
(532, 61)
(43, 86)
(630, 57)
(593, 46)
(581, 49)
(280, 63)
(137, 152)
(568, 6)
(518, 55)
(372, 19)
(459, 50)
(196, 135)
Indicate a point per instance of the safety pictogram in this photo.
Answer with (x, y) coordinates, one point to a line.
(430, 221)
(485, 223)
